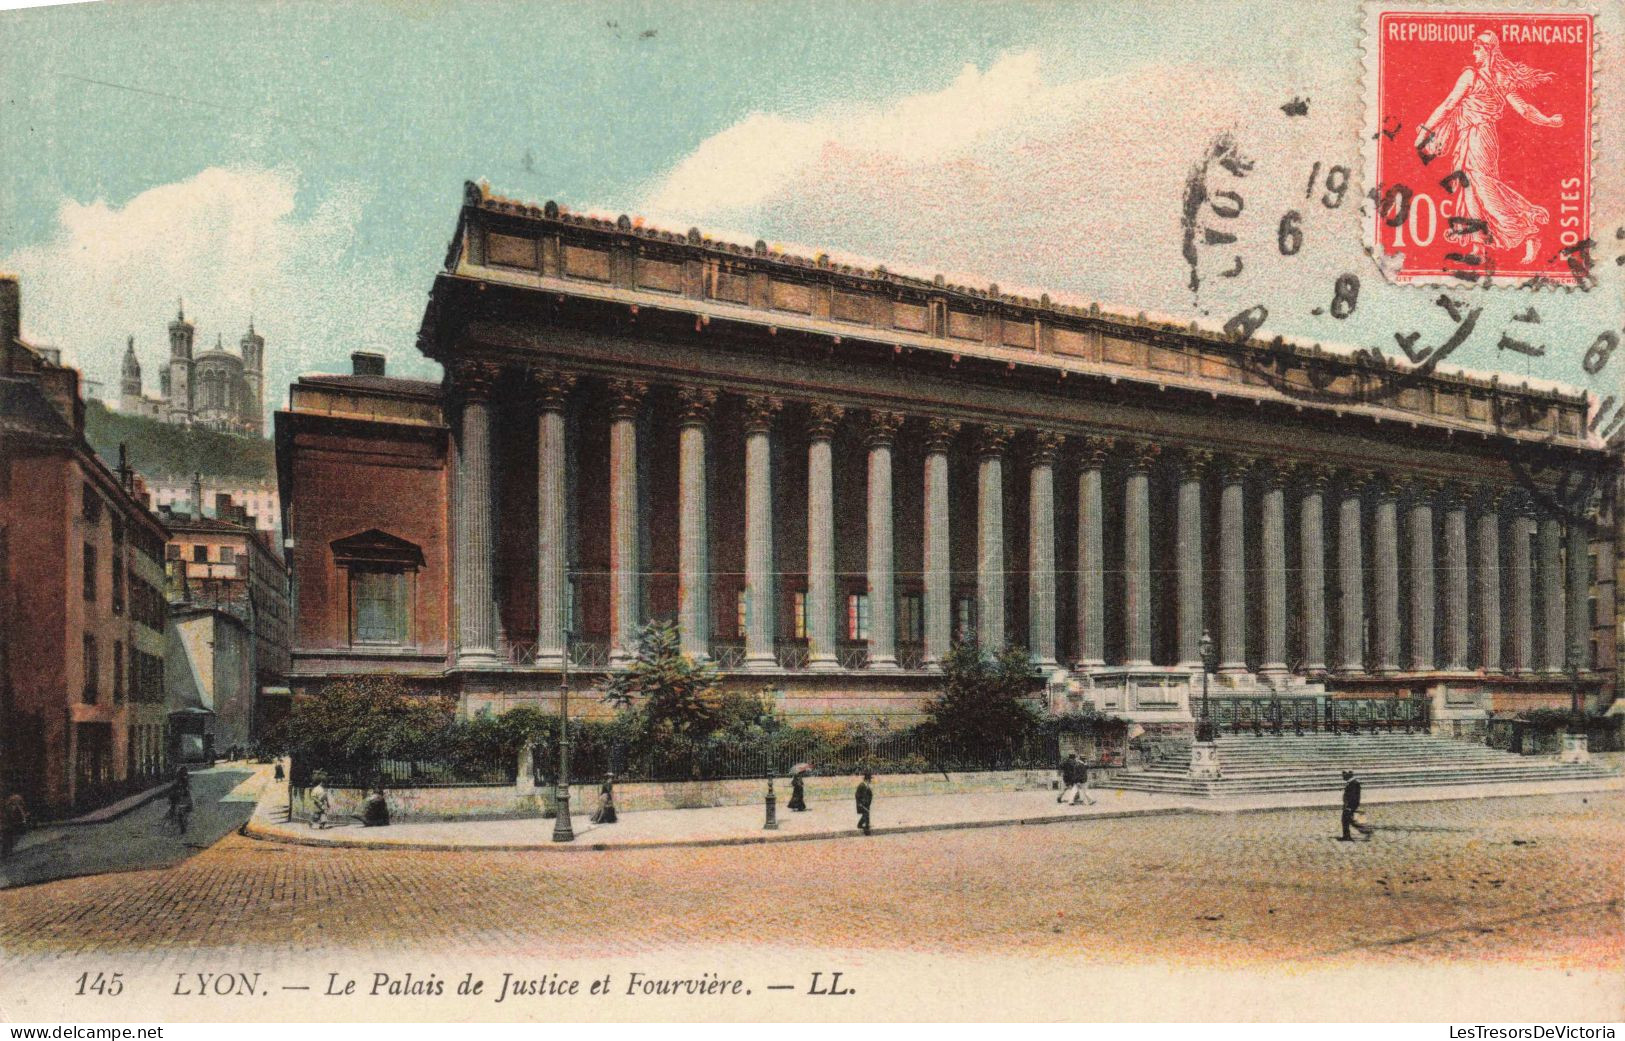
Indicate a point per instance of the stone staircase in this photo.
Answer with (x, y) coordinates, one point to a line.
(1255, 765)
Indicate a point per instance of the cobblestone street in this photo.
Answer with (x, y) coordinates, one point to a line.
(1532, 881)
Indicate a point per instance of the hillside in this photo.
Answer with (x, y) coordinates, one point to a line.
(159, 449)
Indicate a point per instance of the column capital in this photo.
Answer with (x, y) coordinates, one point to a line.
(626, 397)
(1421, 491)
(1046, 446)
(1140, 456)
(694, 405)
(552, 387)
(1314, 477)
(1355, 479)
(1489, 499)
(1276, 475)
(994, 439)
(1233, 467)
(822, 419)
(940, 434)
(1519, 502)
(1093, 451)
(1193, 462)
(759, 412)
(474, 380)
(882, 427)
(1453, 495)
(1387, 487)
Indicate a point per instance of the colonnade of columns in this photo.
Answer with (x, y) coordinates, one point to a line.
(1400, 510)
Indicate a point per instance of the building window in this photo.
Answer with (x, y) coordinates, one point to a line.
(910, 618)
(382, 570)
(172, 551)
(200, 554)
(798, 609)
(92, 670)
(378, 606)
(741, 612)
(228, 555)
(965, 619)
(90, 572)
(92, 504)
(118, 672)
(857, 616)
(1595, 658)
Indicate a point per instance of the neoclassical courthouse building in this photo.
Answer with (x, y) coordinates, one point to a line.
(825, 475)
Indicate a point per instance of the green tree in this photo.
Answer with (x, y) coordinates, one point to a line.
(671, 691)
(352, 723)
(985, 697)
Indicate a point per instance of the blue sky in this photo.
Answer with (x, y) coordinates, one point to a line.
(303, 161)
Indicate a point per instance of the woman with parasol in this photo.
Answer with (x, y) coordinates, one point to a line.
(798, 786)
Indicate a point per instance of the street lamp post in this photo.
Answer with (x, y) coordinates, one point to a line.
(1205, 750)
(1204, 729)
(562, 831)
(1575, 746)
(770, 725)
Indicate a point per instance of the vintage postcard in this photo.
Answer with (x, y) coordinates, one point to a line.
(787, 511)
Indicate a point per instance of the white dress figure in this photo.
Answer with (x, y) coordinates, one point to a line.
(1464, 128)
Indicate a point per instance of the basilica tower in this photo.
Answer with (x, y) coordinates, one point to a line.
(180, 369)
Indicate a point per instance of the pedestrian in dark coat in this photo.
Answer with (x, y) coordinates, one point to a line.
(13, 822)
(605, 814)
(1351, 806)
(865, 798)
(375, 811)
(798, 792)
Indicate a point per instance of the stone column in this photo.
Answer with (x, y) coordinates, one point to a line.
(1273, 531)
(938, 561)
(1423, 563)
(761, 614)
(552, 516)
(1137, 554)
(1312, 567)
(693, 521)
(1351, 573)
(1192, 464)
(1520, 589)
(1041, 550)
(881, 434)
(1488, 585)
(990, 537)
(1091, 554)
(625, 569)
(1456, 580)
(1385, 582)
(1233, 566)
(1578, 613)
(1550, 538)
(475, 527)
(822, 605)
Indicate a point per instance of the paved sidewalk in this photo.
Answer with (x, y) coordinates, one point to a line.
(742, 825)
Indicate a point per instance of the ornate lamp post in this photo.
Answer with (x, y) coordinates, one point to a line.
(562, 831)
(1575, 745)
(770, 724)
(1204, 729)
(1205, 751)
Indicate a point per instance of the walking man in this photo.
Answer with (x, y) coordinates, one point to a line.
(1351, 806)
(13, 822)
(865, 798)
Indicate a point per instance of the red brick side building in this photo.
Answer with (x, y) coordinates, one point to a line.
(82, 611)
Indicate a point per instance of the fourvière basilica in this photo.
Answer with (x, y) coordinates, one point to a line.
(216, 390)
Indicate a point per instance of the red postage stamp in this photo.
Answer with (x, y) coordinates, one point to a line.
(1481, 137)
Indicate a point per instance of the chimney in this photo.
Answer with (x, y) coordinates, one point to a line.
(126, 476)
(11, 320)
(197, 496)
(366, 363)
(222, 505)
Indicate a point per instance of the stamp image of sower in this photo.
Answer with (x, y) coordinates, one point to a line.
(1479, 144)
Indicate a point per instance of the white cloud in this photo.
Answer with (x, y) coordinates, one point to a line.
(232, 242)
